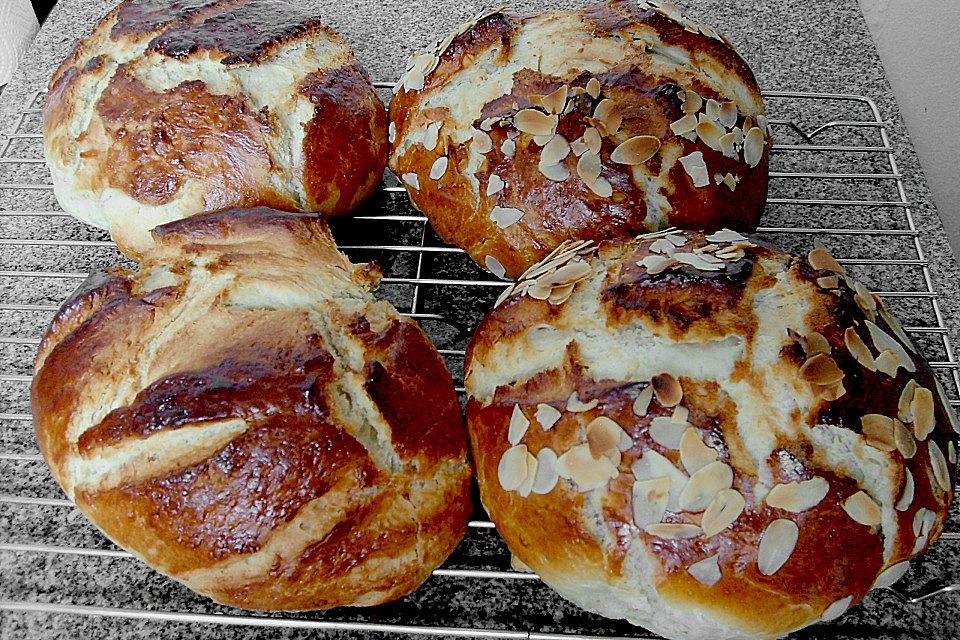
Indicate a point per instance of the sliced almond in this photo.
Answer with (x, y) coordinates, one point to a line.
(728, 145)
(858, 349)
(777, 543)
(680, 415)
(862, 509)
(482, 142)
(729, 114)
(951, 452)
(539, 291)
(922, 523)
(686, 124)
(545, 479)
(588, 473)
(704, 485)
(650, 498)
(887, 363)
(674, 531)
(922, 410)
(726, 235)
(547, 416)
(531, 474)
(636, 150)
(655, 264)
(722, 511)
(731, 181)
(710, 132)
(493, 266)
(667, 389)
(939, 465)
(609, 114)
(555, 172)
(505, 216)
(706, 571)
(828, 282)
(878, 430)
(556, 101)
(753, 147)
(431, 135)
(821, 260)
(797, 497)
(556, 150)
(589, 167)
(883, 341)
(535, 122)
(439, 168)
(495, 184)
(512, 470)
(891, 574)
(642, 402)
(601, 187)
(655, 465)
(691, 101)
(695, 167)
(906, 496)
(570, 273)
(392, 133)
(593, 88)
(836, 609)
(579, 147)
(576, 406)
(603, 434)
(904, 440)
(821, 369)
(591, 137)
(694, 454)
(508, 148)
(665, 432)
(518, 425)
(412, 179)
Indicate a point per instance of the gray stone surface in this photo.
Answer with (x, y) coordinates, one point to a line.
(815, 46)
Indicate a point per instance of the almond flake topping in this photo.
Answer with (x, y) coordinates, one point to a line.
(545, 479)
(686, 124)
(574, 404)
(891, 574)
(412, 179)
(603, 437)
(512, 470)
(505, 216)
(704, 485)
(495, 184)
(753, 147)
(706, 571)
(691, 101)
(655, 465)
(518, 425)
(392, 133)
(858, 349)
(666, 432)
(820, 259)
(951, 452)
(710, 132)
(821, 370)
(671, 531)
(797, 497)
(906, 496)
(887, 363)
(862, 509)
(593, 88)
(432, 135)
(508, 148)
(878, 430)
(667, 389)
(726, 235)
(587, 472)
(591, 137)
(922, 410)
(636, 150)
(555, 172)
(535, 122)
(712, 111)
(555, 150)
(696, 168)
(608, 113)
(939, 464)
(828, 282)
(601, 187)
(776, 545)
(655, 264)
(697, 261)
(728, 114)
(650, 498)
(722, 511)
(642, 402)
(556, 101)
(439, 168)
(836, 609)
(493, 266)
(728, 145)
(906, 443)
(546, 416)
(883, 341)
(694, 454)
(589, 167)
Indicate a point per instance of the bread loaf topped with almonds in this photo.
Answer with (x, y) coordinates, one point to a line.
(245, 417)
(714, 439)
(169, 109)
(519, 132)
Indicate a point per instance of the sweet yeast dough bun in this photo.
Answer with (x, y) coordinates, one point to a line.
(706, 436)
(168, 109)
(519, 132)
(245, 417)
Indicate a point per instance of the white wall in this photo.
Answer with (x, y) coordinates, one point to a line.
(919, 44)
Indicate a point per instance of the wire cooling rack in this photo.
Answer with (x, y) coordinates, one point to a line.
(833, 178)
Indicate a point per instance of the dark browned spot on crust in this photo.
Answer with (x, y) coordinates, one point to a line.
(145, 16)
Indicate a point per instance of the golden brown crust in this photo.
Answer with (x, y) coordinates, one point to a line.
(243, 416)
(507, 62)
(754, 403)
(165, 111)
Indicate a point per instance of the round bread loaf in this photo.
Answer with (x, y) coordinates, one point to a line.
(714, 438)
(245, 417)
(519, 132)
(171, 109)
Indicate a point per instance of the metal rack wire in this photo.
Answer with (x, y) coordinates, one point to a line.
(839, 167)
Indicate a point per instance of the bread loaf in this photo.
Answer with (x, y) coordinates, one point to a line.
(167, 110)
(705, 435)
(519, 132)
(245, 417)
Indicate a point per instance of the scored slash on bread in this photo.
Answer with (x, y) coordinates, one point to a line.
(244, 416)
(606, 121)
(746, 441)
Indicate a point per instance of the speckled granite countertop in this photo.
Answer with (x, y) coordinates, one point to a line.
(812, 46)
